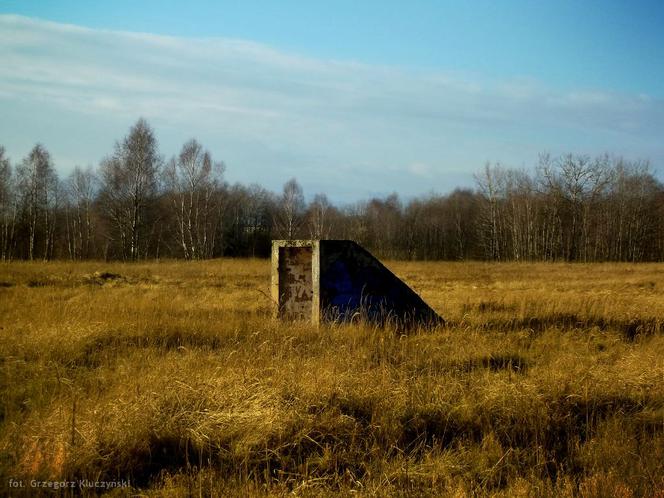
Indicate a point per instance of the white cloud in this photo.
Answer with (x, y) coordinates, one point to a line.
(272, 114)
(420, 169)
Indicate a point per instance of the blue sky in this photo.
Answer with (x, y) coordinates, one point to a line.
(352, 98)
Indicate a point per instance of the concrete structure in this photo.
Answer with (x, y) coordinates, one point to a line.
(331, 280)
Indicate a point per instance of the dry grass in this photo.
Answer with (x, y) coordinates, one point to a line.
(548, 380)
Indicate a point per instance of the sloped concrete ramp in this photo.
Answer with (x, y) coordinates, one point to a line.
(338, 280)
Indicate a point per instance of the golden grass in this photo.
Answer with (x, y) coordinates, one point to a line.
(548, 380)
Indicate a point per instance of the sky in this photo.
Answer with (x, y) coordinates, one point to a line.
(354, 99)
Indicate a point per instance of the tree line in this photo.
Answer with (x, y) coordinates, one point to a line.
(136, 206)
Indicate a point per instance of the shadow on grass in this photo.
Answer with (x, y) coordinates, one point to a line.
(110, 344)
(629, 328)
(559, 432)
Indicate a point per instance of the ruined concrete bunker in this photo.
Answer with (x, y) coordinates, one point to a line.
(338, 280)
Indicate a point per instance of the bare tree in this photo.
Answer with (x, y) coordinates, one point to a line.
(319, 217)
(384, 219)
(291, 210)
(249, 219)
(193, 179)
(258, 211)
(634, 211)
(129, 187)
(462, 205)
(8, 207)
(521, 211)
(38, 186)
(81, 193)
(576, 183)
(491, 187)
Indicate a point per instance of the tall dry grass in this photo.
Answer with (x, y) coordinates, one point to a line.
(548, 380)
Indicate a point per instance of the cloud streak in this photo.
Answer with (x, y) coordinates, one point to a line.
(272, 115)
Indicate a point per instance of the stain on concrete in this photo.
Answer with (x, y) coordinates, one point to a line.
(295, 282)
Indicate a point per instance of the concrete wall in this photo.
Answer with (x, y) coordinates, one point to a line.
(339, 280)
(295, 279)
(295, 282)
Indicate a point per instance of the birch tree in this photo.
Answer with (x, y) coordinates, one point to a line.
(8, 207)
(319, 217)
(291, 210)
(129, 187)
(194, 179)
(38, 188)
(80, 227)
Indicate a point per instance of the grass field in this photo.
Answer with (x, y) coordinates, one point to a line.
(548, 380)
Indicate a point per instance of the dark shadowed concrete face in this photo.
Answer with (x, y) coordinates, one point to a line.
(354, 283)
(337, 280)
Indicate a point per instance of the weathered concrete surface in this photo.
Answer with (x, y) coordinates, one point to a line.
(339, 280)
(295, 282)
